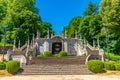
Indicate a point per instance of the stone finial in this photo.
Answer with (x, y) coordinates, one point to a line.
(65, 34)
(98, 42)
(19, 44)
(94, 43)
(51, 35)
(38, 34)
(76, 34)
(14, 45)
(48, 34)
(80, 36)
(31, 45)
(33, 39)
(28, 42)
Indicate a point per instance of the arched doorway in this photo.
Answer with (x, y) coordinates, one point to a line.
(56, 44)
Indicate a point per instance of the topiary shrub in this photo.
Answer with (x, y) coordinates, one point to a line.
(40, 55)
(2, 65)
(109, 65)
(62, 53)
(117, 67)
(13, 66)
(95, 66)
(56, 55)
(47, 54)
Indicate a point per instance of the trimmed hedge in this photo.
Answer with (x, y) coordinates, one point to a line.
(117, 67)
(2, 65)
(109, 65)
(95, 66)
(13, 66)
(62, 53)
(45, 54)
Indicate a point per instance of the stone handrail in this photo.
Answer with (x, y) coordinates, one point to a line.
(23, 47)
(94, 51)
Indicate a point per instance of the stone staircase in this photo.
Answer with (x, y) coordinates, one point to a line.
(57, 66)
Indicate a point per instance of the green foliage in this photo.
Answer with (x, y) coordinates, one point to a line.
(2, 65)
(109, 11)
(2, 44)
(117, 67)
(62, 53)
(45, 54)
(22, 19)
(13, 66)
(83, 54)
(113, 57)
(56, 55)
(73, 27)
(95, 66)
(109, 65)
(91, 9)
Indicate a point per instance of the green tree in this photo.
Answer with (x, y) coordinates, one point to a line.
(22, 19)
(90, 27)
(73, 26)
(109, 11)
(91, 9)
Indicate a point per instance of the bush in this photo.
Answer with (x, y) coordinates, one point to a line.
(113, 56)
(45, 54)
(56, 55)
(95, 66)
(2, 65)
(109, 65)
(62, 53)
(117, 67)
(13, 66)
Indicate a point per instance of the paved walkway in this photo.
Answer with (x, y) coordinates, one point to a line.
(61, 77)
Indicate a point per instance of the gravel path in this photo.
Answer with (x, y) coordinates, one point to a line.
(61, 77)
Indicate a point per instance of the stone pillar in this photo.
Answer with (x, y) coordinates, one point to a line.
(46, 46)
(65, 46)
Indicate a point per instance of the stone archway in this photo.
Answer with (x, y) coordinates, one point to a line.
(57, 44)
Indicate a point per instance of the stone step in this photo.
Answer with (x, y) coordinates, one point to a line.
(55, 70)
(57, 66)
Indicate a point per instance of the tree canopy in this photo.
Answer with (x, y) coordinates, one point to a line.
(22, 19)
(110, 12)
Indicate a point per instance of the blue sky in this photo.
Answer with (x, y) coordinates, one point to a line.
(60, 12)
